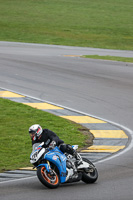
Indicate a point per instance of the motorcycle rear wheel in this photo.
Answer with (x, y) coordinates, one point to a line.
(46, 179)
(90, 177)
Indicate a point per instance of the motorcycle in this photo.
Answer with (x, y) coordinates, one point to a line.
(55, 168)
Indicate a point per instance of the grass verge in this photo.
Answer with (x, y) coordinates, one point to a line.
(15, 119)
(115, 58)
(102, 24)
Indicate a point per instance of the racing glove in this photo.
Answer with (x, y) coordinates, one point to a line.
(52, 145)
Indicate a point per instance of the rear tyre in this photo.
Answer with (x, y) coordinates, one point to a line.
(50, 181)
(92, 175)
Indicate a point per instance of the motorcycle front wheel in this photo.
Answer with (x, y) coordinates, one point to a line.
(50, 181)
(91, 174)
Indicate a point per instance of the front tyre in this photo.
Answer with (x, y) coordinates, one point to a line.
(90, 175)
(50, 181)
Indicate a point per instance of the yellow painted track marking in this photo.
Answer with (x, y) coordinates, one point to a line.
(100, 148)
(43, 106)
(83, 119)
(109, 133)
(9, 94)
(72, 55)
(27, 168)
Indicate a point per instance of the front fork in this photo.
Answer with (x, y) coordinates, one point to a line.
(51, 172)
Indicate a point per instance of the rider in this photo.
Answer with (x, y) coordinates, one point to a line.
(51, 140)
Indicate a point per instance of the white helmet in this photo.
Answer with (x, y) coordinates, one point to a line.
(35, 130)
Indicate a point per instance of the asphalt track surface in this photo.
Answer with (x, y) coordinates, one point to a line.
(100, 88)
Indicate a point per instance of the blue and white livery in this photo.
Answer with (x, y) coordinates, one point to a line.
(54, 167)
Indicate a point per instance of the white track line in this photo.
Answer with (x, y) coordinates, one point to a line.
(9, 181)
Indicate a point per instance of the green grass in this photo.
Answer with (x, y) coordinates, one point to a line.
(15, 120)
(103, 24)
(115, 58)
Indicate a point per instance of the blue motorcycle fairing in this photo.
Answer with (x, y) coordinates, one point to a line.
(59, 159)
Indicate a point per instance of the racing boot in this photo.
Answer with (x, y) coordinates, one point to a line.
(79, 160)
